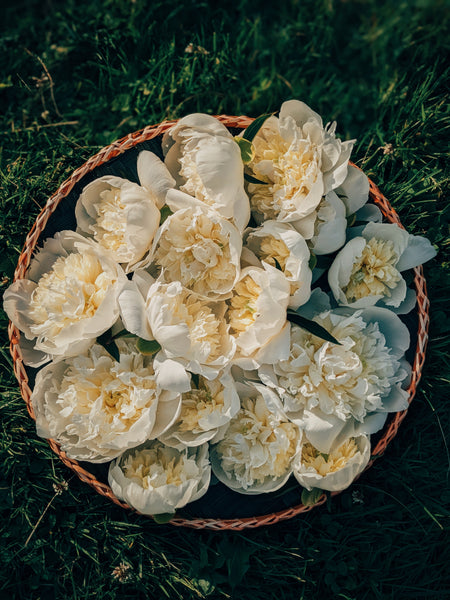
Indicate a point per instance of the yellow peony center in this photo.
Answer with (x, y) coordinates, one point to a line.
(195, 251)
(193, 183)
(117, 397)
(329, 463)
(109, 229)
(295, 170)
(158, 466)
(257, 444)
(198, 404)
(374, 273)
(206, 331)
(273, 250)
(242, 310)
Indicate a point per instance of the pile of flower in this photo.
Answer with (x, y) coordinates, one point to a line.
(236, 312)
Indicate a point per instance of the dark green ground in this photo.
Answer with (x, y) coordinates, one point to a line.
(379, 68)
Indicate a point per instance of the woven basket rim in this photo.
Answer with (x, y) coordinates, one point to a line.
(106, 154)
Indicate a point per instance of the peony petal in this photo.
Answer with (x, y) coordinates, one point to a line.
(171, 374)
(331, 237)
(305, 225)
(300, 112)
(354, 190)
(341, 268)
(154, 176)
(389, 232)
(336, 177)
(394, 330)
(321, 429)
(133, 311)
(167, 413)
(318, 302)
(407, 304)
(418, 251)
(16, 301)
(369, 212)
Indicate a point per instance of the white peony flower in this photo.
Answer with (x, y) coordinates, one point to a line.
(300, 160)
(68, 299)
(96, 408)
(281, 246)
(155, 479)
(257, 312)
(368, 269)
(327, 387)
(192, 331)
(335, 470)
(206, 163)
(256, 453)
(206, 410)
(201, 250)
(120, 216)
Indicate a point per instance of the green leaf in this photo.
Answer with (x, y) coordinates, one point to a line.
(277, 264)
(163, 518)
(312, 260)
(165, 212)
(246, 149)
(309, 498)
(106, 341)
(252, 179)
(123, 333)
(351, 220)
(105, 338)
(323, 261)
(311, 326)
(148, 347)
(195, 379)
(255, 126)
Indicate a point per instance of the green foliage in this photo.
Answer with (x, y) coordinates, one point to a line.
(311, 497)
(77, 75)
(311, 327)
(254, 127)
(147, 347)
(246, 149)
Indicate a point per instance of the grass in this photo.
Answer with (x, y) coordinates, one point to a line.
(114, 66)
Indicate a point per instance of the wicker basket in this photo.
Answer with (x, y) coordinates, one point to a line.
(117, 149)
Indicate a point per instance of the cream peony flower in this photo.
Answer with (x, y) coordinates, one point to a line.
(68, 299)
(257, 312)
(256, 453)
(96, 408)
(155, 479)
(335, 470)
(281, 246)
(206, 410)
(191, 331)
(367, 271)
(120, 216)
(324, 386)
(206, 163)
(300, 160)
(201, 250)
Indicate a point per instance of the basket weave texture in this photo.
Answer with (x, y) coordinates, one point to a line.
(105, 155)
